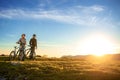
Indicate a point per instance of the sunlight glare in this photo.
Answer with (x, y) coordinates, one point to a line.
(97, 45)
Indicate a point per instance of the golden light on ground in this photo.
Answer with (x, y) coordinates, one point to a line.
(98, 45)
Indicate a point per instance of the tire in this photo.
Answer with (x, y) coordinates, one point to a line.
(12, 55)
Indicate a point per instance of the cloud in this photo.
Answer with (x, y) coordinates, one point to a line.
(97, 8)
(91, 9)
(77, 15)
(13, 13)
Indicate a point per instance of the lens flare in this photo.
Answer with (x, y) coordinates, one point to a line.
(97, 45)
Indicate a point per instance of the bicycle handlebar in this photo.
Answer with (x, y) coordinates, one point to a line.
(16, 47)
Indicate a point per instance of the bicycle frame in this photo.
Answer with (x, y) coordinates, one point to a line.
(16, 51)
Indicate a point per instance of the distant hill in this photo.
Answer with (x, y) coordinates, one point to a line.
(84, 57)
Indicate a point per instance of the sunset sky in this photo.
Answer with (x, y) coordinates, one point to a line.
(61, 26)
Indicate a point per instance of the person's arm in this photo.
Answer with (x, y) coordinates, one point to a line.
(18, 42)
(36, 43)
(25, 42)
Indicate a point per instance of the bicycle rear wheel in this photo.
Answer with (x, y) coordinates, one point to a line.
(12, 55)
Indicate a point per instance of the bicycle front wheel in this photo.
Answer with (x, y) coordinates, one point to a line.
(27, 53)
(12, 55)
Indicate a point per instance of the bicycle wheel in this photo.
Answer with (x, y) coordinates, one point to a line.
(21, 56)
(12, 55)
(27, 53)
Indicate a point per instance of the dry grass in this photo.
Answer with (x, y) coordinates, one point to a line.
(59, 69)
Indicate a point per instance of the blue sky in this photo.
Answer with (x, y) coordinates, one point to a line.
(59, 25)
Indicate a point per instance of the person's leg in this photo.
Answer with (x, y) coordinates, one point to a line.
(20, 51)
(30, 56)
(32, 52)
(23, 53)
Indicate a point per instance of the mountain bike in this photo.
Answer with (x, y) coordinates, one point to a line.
(17, 52)
(29, 53)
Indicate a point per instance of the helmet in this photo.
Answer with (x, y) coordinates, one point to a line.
(34, 34)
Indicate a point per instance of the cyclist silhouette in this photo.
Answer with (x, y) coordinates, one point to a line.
(22, 42)
(33, 44)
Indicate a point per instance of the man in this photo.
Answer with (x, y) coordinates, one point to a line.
(33, 44)
(22, 42)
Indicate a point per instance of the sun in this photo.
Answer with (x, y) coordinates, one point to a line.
(98, 45)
